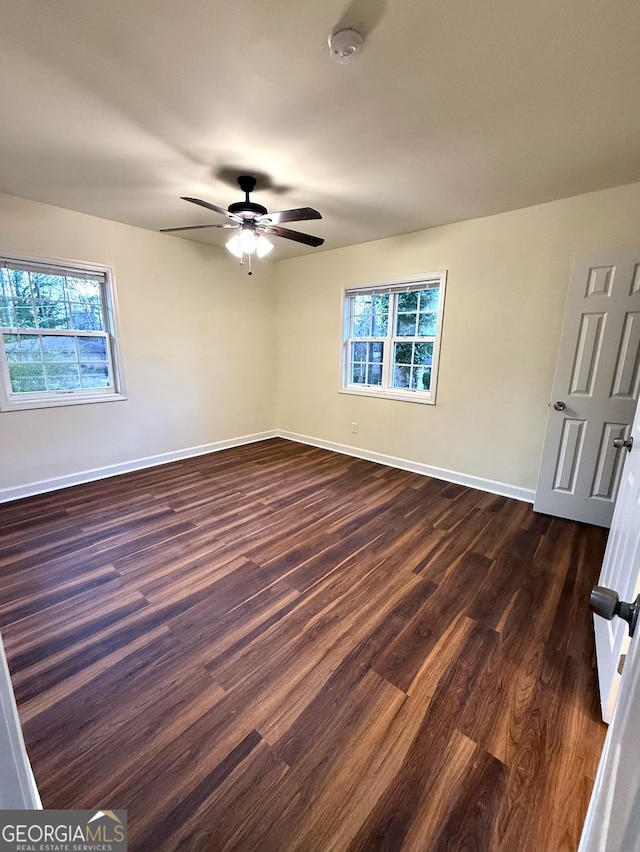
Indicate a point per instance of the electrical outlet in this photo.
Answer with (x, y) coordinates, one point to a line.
(354, 427)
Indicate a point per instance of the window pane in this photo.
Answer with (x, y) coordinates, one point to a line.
(63, 376)
(19, 283)
(359, 351)
(60, 371)
(361, 306)
(94, 375)
(92, 348)
(21, 348)
(366, 363)
(423, 353)
(417, 374)
(374, 374)
(59, 348)
(25, 317)
(373, 348)
(423, 378)
(27, 378)
(370, 315)
(380, 302)
(376, 352)
(86, 316)
(6, 290)
(427, 325)
(53, 315)
(380, 324)
(6, 300)
(358, 374)
(402, 353)
(81, 290)
(47, 288)
(406, 325)
(362, 325)
(380, 315)
(407, 301)
(401, 377)
(429, 299)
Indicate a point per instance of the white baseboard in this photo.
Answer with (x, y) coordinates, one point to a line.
(492, 486)
(54, 484)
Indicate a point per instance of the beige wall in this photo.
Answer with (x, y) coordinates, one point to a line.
(205, 347)
(506, 289)
(196, 341)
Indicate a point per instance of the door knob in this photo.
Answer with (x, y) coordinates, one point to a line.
(606, 603)
(559, 405)
(623, 443)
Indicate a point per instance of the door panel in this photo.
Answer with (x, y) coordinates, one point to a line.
(609, 462)
(598, 380)
(587, 354)
(600, 280)
(569, 455)
(625, 381)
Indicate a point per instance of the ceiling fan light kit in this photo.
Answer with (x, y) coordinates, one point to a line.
(247, 241)
(253, 221)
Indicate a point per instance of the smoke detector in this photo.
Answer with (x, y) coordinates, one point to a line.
(345, 43)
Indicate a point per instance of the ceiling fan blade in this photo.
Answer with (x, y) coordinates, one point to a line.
(213, 207)
(288, 234)
(297, 215)
(195, 228)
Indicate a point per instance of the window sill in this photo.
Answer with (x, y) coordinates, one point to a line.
(55, 402)
(419, 397)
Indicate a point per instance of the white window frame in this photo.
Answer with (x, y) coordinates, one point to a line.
(385, 391)
(10, 401)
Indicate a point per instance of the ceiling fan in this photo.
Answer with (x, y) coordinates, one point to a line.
(253, 221)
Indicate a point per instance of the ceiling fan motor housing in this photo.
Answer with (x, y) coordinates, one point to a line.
(247, 208)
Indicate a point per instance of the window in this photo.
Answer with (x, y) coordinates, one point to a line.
(392, 337)
(57, 335)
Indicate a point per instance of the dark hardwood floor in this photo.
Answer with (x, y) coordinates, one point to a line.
(276, 648)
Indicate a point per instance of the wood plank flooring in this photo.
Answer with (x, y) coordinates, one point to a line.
(280, 648)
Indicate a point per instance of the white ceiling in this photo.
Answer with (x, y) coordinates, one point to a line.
(455, 109)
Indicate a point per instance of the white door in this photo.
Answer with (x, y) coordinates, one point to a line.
(620, 572)
(595, 389)
(613, 818)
